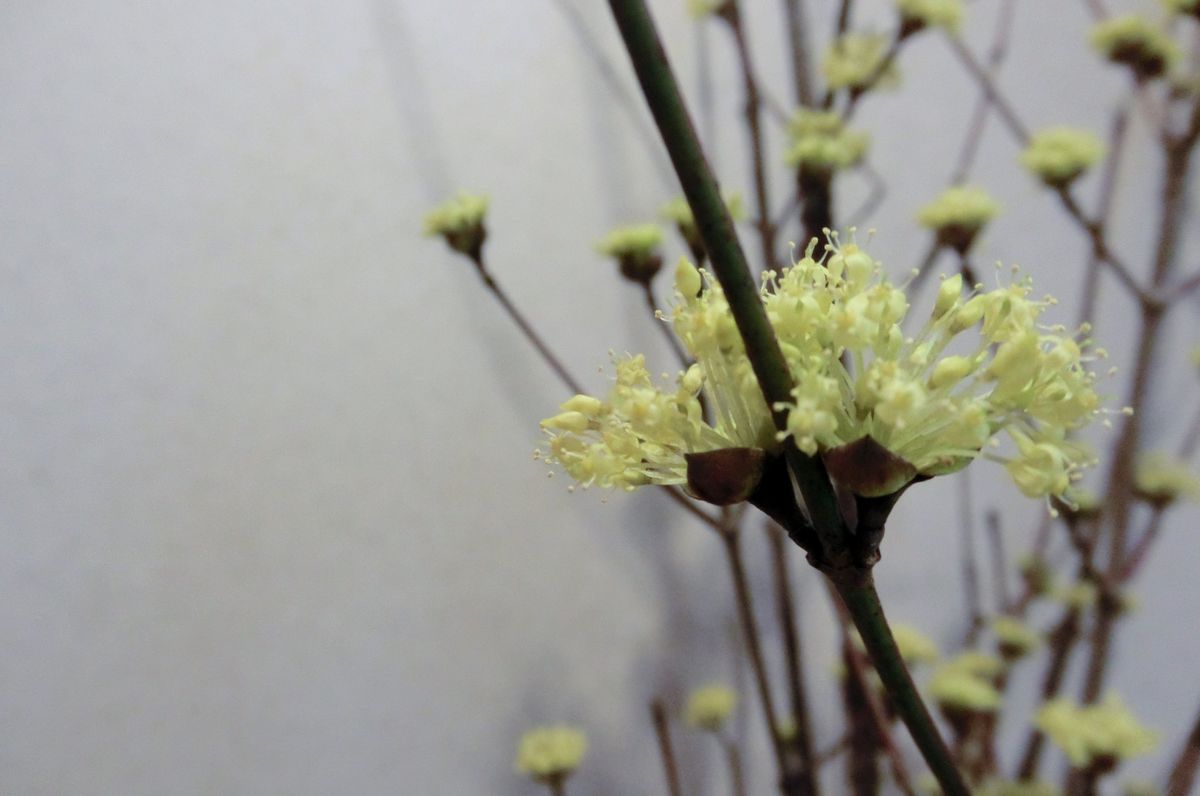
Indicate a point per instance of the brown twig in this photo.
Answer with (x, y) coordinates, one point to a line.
(1183, 773)
(1108, 182)
(798, 48)
(970, 569)
(785, 610)
(999, 559)
(995, 57)
(753, 113)
(658, 714)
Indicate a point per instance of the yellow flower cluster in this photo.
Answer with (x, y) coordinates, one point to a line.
(680, 212)
(915, 647)
(1102, 734)
(1136, 42)
(550, 753)
(710, 706)
(931, 13)
(460, 222)
(967, 683)
(819, 140)
(1059, 155)
(958, 214)
(634, 240)
(853, 61)
(1161, 478)
(859, 380)
(1014, 638)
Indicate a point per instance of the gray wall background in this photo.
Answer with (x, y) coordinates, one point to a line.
(269, 517)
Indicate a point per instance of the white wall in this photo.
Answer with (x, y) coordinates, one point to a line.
(269, 515)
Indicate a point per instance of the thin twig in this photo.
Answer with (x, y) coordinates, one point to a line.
(786, 613)
(530, 334)
(970, 570)
(658, 714)
(798, 48)
(996, 54)
(733, 758)
(753, 113)
(1183, 773)
(1108, 182)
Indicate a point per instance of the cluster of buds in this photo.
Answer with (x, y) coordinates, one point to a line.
(1060, 155)
(460, 222)
(1161, 479)
(818, 142)
(1095, 737)
(1014, 639)
(856, 61)
(917, 15)
(709, 707)
(958, 215)
(636, 250)
(549, 755)
(1137, 43)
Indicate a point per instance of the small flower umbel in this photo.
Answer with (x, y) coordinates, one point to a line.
(1095, 738)
(710, 706)
(820, 142)
(1060, 155)
(460, 222)
(858, 62)
(1161, 479)
(957, 215)
(880, 408)
(636, 250)
(1137, 43)
(549, 755)
(919, 14)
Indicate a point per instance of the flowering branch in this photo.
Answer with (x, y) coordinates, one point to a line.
(854, 583)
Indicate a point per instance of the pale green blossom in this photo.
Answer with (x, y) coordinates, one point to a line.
(1162, 478)
(819, 141)
(931, 13)
(854, 61)
(699, 9)
(460, 221)
(955, 688)
(709, 707)
(1104, 732)
(548, 754)
(1136, 42)
(1059, 155)
(860, 381)
(958, 214)
(1014, 638)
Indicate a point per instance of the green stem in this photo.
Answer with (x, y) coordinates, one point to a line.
(724, 250)
(862, 601)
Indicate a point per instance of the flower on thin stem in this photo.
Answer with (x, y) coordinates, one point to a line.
(1079, 595)
(548, 755)
(710, 706)
(1014, 638)
(636, 250)
(1060, 155)
(854, 62)
(957, 215)
(880, 408)
(460, 221)
(818, 141)
(1161, 479)
(919, 14)
(699, 9)
(1099, 735)
(1137, 43)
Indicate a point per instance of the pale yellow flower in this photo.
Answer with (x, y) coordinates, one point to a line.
(550, 753)
(1103, 732)
(709, 707)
